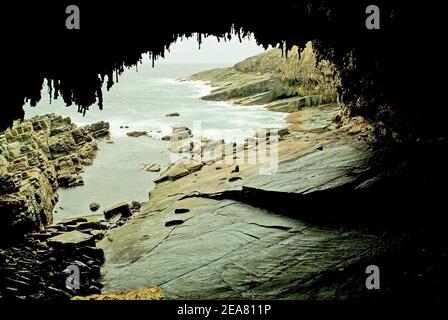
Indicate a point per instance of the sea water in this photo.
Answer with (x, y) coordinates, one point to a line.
(140, 100)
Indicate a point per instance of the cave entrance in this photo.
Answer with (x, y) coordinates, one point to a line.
(221, 95)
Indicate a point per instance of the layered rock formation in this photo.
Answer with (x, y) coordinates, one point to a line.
(307, 230)
(211, 239)
(284, 82)
(38, 267)
(36, 157)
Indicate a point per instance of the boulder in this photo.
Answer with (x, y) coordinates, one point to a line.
(94, 206)
(179, 169)
(181, 132)
(99, 129)
(96, 254)
(136, 134)
(283, 132)
(166, 138)
(92, 225)
(173, 172)
(181, 147)
(152, 167)
(178, 133)
(135, 206)
(121, 208)
(180, 129)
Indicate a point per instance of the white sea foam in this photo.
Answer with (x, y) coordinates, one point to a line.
(171, 81)
(203, 88)
(141, 102)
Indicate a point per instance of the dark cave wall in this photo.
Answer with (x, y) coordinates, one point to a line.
(387, 75)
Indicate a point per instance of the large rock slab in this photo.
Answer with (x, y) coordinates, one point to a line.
(72, 238)
(222, 248)
(121, 208)
(338, 163)
(179, 169)
(226, 250)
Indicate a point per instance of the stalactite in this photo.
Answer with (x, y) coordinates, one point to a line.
(383, 58)
(50, 88)
(199, 37)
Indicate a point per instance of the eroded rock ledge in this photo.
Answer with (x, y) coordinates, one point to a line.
(36, 157)
(282, 82)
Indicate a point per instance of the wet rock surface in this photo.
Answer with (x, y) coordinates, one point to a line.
(37, 156)
(226, 249)
(305, 231)
(208, 242)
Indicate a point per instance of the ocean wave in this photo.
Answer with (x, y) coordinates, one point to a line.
(171, 81)
(229, 104)
(202, 88)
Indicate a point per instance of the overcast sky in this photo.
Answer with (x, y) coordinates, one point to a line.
(233, 51)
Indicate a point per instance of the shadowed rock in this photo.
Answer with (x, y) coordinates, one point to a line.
(181, 210)
(173, 223)
(121, 209)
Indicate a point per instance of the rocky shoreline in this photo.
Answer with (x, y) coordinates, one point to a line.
(282, 84)
(193, 212)
(201, 206)
(214, 227)
(38, 156)
(220, 230)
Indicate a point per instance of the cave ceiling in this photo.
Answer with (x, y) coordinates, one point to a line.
(74, 64)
